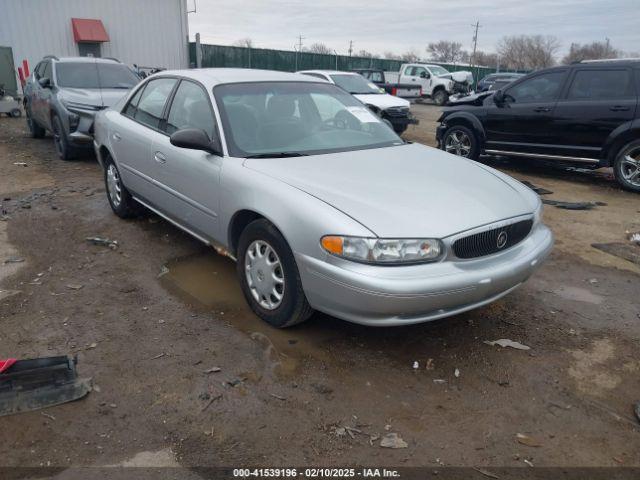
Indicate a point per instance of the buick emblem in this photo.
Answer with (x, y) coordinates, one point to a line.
(501, 240)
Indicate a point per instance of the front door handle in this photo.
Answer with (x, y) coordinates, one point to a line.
(542, 109)
(116, 137)
(619, 108)
(160, 157)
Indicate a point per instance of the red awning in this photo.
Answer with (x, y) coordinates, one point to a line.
(88, 30)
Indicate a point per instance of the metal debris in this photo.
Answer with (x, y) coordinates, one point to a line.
(621, 250)
(213, 370)
(538, 190)
(505, 342)
(103, 242)
(573, 205)
(527, 440)
(13, 260)
(637, 411)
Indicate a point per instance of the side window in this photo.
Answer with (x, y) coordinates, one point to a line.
(541, 88)
(417, 71)
(410, 71)
(600, 85)
(190, 108)
(46, 72)
(132, 106)
(37, 73)
(376, 77)
(153, 100)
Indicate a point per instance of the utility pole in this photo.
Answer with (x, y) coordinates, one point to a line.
(350, 47)
(476, 26)
(300, 38)
(298, 49)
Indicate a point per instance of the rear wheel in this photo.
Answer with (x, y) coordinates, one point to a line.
(461, 141)
(16, 113)
(626, 167)
(36, 130)
(440, 97)
(63, 149)
(269, 276)
(119, 197)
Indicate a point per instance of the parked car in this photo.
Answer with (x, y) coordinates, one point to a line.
(496, 81)
(436, 81)
(403, 90)
(585, 114)
(62, 96)
(322, 205)
(392, 110)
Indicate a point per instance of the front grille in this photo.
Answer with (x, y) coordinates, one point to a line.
(397, 111)
(492, 241)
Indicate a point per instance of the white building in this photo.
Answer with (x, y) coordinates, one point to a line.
(150, 33)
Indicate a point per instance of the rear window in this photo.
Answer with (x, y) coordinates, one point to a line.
(95, 75)
(600, 84)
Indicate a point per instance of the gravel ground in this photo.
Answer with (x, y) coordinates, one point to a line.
(149, 319)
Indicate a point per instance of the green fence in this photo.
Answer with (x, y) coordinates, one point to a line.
(291, 61)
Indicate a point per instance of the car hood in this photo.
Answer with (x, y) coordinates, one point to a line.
(471, 99)
(404, 191)
(105, 97)
(382, 101)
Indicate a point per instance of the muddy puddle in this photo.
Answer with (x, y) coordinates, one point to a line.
(208, 283)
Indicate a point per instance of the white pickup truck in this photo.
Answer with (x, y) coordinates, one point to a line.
(437, 82)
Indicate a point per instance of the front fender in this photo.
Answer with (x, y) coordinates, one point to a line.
(468, 119)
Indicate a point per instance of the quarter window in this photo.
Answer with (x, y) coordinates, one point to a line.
(46, 73)
(190, 108)
(541, 88)
(132, 106)
(600, 85)
(153, 100)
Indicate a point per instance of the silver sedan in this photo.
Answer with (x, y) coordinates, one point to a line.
(322, 204)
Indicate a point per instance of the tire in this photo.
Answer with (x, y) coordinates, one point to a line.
(63, 149)
(261, 242)
(121, 201)
(36, 130)
(626, 166)
(440, 98)
(400, 130)
(460, 140)
(16, 113)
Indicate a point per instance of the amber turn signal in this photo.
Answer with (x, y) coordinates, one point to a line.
(332, 244)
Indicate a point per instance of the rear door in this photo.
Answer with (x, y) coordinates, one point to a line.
(42, 97)
(523, 122)
(597, 101)
(189, 179)
(133, 135)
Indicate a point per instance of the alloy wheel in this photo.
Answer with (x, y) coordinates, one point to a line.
(630, 167)
(459, 143)
(265, 275)
(113, 185)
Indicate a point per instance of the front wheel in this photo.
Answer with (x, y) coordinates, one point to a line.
(63, 149)
(461, 141)
(269, 276)
(440, 97)
(36, 130)
(626, 167)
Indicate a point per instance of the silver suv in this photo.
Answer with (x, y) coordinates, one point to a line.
(63, 95)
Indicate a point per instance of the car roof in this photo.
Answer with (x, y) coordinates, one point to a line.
(329, 72)
(217, 76)
(610, 61)
(84, 60)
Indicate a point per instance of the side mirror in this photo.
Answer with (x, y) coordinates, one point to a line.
(424, 75)
(44, 82)
(195, 139)
(498, 97)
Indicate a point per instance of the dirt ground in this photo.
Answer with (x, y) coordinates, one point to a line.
(149, 319)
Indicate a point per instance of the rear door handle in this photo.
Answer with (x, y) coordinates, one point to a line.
(619, 108)
(542, 109)
(160, 157)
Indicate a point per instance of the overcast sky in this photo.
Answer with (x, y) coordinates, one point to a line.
(398, 25)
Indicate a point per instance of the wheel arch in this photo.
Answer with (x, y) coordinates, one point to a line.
(470, 121)
(622, 135)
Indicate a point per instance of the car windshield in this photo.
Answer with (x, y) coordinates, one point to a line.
(94, 75)
(356, 84)
(297, 118)
(438, 70)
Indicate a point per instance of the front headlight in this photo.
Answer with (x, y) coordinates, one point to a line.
(385, 251)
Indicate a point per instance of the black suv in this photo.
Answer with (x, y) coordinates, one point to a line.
(584, 114)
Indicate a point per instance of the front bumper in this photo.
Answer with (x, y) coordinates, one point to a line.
(401, 122)
(440, 129)
(392, 296)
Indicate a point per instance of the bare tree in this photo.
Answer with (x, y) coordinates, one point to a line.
(591, 51)
(486, 59)
(244, 42)
(391, 56)
(528, 52)
(320, 48)
(446, 52)
(364, 54)
(410, 56)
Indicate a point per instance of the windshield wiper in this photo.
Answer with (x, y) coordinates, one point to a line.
(278, 155)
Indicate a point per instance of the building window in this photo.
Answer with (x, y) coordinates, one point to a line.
(89, 49)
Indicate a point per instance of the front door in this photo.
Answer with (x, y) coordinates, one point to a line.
(417, 75)
(523, 121)
(189, 179)
(597, 101)
(41, 107)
